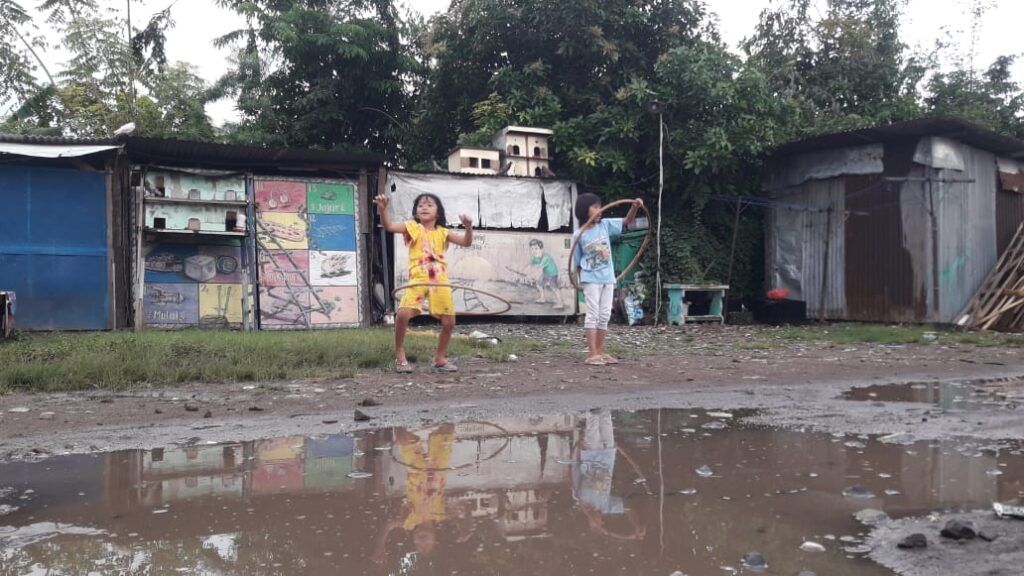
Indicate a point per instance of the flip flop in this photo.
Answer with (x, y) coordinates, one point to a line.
(403, 367)
(594, 362)
(446, 367)
(609, 359)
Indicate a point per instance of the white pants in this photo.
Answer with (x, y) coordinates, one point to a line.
(599, 305)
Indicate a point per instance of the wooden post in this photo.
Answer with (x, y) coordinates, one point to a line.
(735, 235)
(822, 300)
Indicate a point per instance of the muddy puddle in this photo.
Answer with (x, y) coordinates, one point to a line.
(944, 395)
(596, 492)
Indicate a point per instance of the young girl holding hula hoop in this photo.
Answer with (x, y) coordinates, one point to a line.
(427, 238)
(592, 257)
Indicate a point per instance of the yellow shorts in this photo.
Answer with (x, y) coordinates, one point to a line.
(438, 298)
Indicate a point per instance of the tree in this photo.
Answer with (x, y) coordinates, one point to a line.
(994, 100)
(107, 83)
(320, 73)
(20, 45)
(847, 69)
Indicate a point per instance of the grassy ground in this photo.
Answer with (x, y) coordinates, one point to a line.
(117, 360)
(887, 334)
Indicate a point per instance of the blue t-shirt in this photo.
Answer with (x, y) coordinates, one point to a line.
(593, 255)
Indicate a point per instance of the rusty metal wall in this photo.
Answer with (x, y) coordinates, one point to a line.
(1009, 216)
(879, 275)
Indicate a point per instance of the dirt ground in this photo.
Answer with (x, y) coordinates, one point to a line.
(791, 384)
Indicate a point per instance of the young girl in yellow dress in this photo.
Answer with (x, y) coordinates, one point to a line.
(427, 238)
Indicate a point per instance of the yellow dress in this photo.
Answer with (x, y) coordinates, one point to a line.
(425, 484)
(427, 266)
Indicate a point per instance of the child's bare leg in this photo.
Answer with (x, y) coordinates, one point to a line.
(447, 326)
(593, 352)
(401, 327)
(599, 341)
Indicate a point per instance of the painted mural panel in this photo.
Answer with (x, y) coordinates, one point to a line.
(332, 232)
(283, 231)
(171, 304)
(194, 217)
(328, 268)
(220, 305)
(190, 284)
(284, 307)
(340, 305)
(283, 267)
(280, 196)
(328, 198)
(527, 269)
(307, 235)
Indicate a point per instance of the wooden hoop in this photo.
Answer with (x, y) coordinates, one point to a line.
(508, 305)
(508, 440)
(639, 253)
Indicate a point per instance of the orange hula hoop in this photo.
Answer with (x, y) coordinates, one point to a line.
(508, 305)
(639, 253)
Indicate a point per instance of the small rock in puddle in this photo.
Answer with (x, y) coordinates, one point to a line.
(754, 561)
(859, 492)
(958, 530)
(812, 547)
(714, 425)
(360, 416)
(870, 516)
(916, 540)
(705, 472)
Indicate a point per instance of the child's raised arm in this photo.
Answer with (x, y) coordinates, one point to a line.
(631, 215)
(464, 239)
(382, 202)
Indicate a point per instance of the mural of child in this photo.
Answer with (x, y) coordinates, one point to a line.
(544, 272)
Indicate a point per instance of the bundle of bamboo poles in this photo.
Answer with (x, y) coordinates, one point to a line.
(999, 303)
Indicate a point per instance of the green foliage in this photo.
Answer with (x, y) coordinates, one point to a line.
(320, 73)
(994, 100)
(107, 83)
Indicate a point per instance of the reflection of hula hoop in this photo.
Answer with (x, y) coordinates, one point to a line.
(508, 305)
(508, 440)
(639, 253)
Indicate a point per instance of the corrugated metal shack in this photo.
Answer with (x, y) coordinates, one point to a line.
(898, 223)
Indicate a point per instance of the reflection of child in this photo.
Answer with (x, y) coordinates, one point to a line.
(544, 272)
(592, 474)
(424, 493)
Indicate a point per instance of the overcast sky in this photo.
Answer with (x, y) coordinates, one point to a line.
(198, 22)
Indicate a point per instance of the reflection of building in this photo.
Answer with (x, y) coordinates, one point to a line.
(193, 472)
(525, 514)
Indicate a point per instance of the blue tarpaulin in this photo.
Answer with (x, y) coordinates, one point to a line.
(53, 247)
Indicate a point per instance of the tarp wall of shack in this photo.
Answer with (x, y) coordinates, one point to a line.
(807, 246)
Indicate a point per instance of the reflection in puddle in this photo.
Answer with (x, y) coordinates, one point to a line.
(945, 395)
(593, 492)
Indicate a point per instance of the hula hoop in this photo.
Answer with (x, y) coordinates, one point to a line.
(508, 440)
(639, 253)
(508, 305)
